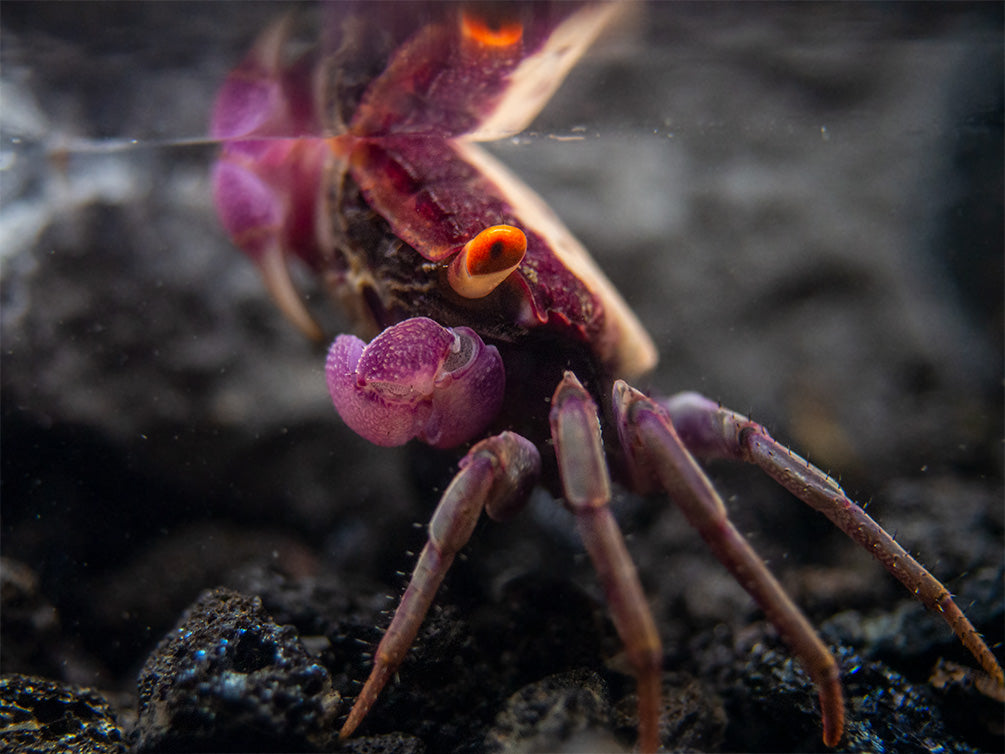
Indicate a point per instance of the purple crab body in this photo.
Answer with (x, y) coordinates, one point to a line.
(383, 203)
(362, 161)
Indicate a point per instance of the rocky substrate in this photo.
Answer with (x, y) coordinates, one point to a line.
(802, 203)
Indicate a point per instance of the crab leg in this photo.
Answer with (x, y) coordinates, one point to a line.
(496, 475)
(711, 431)
(655, 449)
(575, 429)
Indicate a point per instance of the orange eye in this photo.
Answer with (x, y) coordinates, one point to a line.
(486, 260)
(477, 29)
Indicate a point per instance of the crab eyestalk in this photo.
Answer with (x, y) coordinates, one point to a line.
(486, 260)
(416, 379)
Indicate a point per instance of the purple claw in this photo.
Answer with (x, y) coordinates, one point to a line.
(266, 193)
(267, 181)
(416, 379)
(267, 95)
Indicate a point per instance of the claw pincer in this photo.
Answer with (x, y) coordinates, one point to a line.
(416, 379)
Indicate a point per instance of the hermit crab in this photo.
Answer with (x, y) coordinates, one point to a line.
(361, 158)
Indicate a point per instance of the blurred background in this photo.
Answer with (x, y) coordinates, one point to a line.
(803, 202)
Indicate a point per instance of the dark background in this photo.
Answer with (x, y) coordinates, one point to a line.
(802, 202)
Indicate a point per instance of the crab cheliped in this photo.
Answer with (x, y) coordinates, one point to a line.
(361, 158)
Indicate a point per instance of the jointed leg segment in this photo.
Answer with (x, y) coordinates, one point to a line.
(710, 431)
(661, 441)
(654, 448)
(496, 475)
(575, 429)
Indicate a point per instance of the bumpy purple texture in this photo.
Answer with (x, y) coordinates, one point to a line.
(416, 379)
(245, 202)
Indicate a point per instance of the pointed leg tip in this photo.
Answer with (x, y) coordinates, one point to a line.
(833, 719)
(281, 287)
(350, 725)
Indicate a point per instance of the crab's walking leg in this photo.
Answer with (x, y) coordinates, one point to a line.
(711, 431)
(655, 450)
(496, 475)
(575, 429)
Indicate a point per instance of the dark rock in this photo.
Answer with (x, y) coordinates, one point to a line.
(693, 717)
(390, 743)
(802, 202)
(572, 632)
(39, 716)
(229, 679)
(564, 712)
(156, 584)
(773, 706)
(445, 691)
